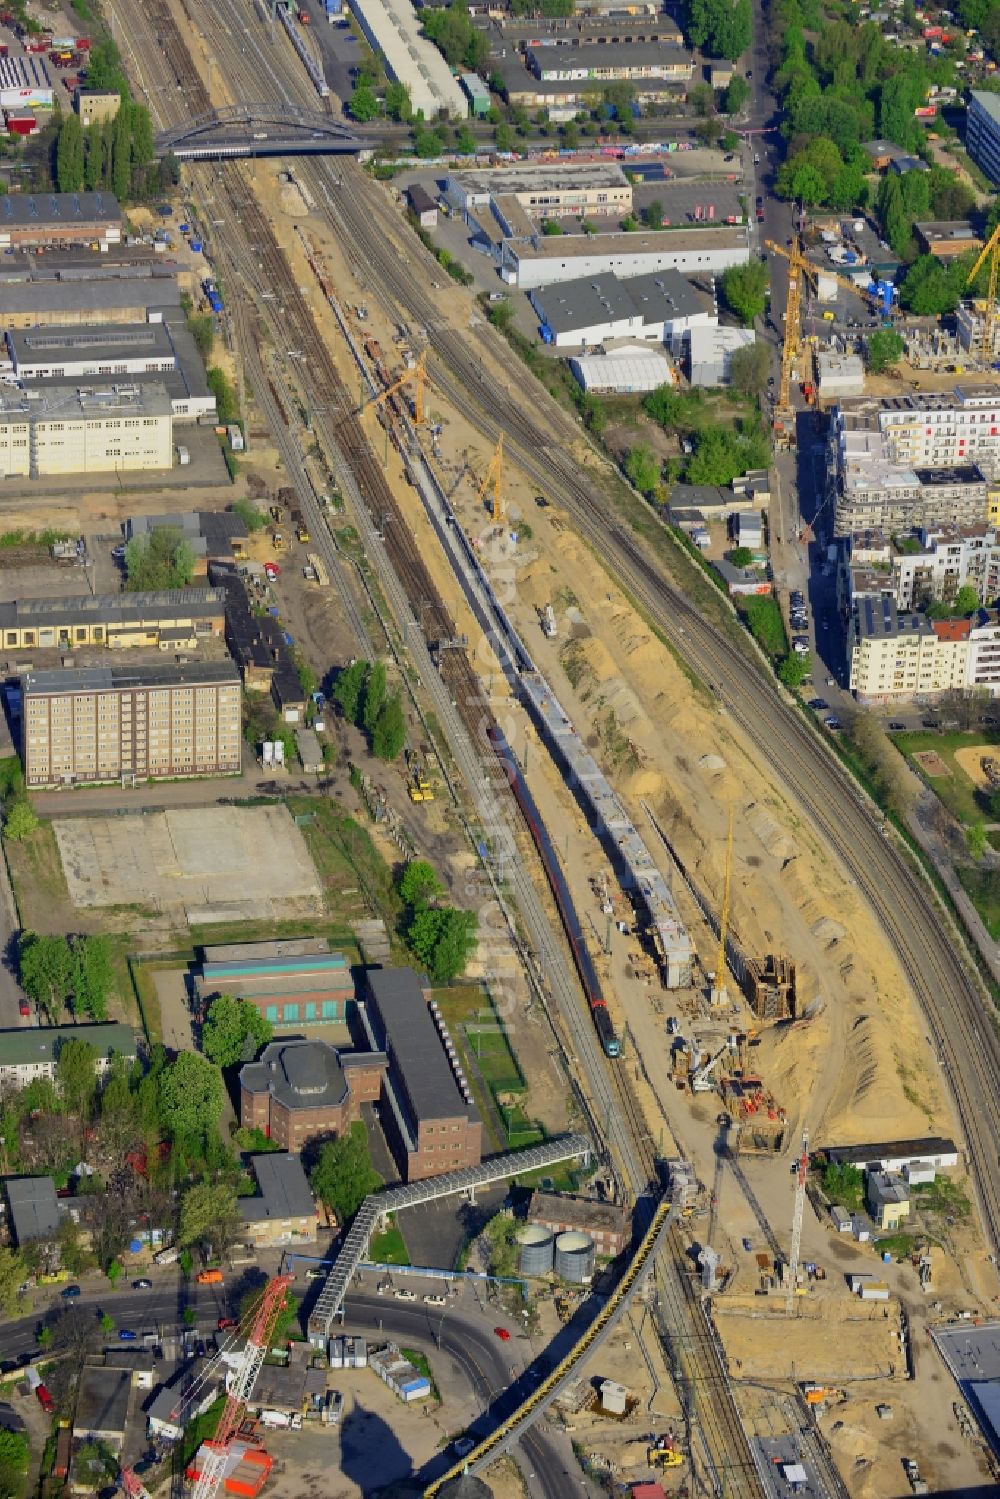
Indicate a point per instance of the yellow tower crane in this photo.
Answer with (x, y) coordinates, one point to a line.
(799, 270)
(493, 481)
(992, 249)
(417, 373)
(719, 994)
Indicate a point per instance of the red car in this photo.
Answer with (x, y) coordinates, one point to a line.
(225, 1322)
(272, 569)
(24, 1007)
(502, 1334)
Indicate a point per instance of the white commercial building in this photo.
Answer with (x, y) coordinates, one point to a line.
(895, 657)
(392, 29)
(76, 353)
(547, 191)
(121, 429)
(712, 351)
(541, 260)
(663, 307)
(631, 370)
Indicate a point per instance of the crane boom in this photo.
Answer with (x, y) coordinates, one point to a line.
(258, 1340)
(800, 1202)
(992, 249)
(418, 374)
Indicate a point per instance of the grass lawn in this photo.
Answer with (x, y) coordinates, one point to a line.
(354, 875)
(956, 791)
(389, 1247)
(40, 888)
(983, 888)
(763, 617)
(900, 1246)
(942, 1196)
(476, 1028)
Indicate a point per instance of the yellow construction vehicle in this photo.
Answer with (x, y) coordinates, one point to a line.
(663, 1454)
(420, 789)
(302, 534)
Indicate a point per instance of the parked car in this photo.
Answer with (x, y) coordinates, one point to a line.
(818, 704)
(748, 1246)
(435, 1300)
(118, 552)
(832, 722)
(126, 1335)
(24, 1007)
(225, 1322)
(142, 1285)
(68, 1292)
(896, 727)
(502, 1334)
(405, 1294)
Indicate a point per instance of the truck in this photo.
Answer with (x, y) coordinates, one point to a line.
(168, 1256)
(44, 1399)
(209, 1277)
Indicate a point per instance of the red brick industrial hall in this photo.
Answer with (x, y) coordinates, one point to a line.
(300, 1090)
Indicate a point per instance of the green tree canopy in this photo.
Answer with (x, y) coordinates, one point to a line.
(163, 559)
(343, 1175)
(364, 105)
(736, 94)
(885, 348)
(418, 883)
(744, 290)
(191, 1098)
(722, 454)
(720, 28)
(20, 822)
(76, 1074)
(750, 367)
(235, 1031)
(349, 688)
(443, 939)
(389, 734)
(12, 1273)
(93, 976)
(46, 969)
(643, 468)
(208, 1217)
(931, 288)
(374, 696)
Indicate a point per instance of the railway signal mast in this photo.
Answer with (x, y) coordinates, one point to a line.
(800, 1202)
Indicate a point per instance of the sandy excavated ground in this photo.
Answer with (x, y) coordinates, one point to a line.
(971, 760)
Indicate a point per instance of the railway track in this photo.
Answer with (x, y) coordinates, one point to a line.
(954, 1002)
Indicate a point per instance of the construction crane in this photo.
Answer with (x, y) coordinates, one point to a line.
(258, 1340)
(719, 994)
(493, 480)
(800, 1202)
(992, 249)
(417, 373)
(701, 1080)
(799, 270)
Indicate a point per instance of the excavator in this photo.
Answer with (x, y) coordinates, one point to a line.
(663, 1454)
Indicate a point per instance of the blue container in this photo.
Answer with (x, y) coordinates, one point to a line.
(886, 1257)
(196, 246)
(184, 228)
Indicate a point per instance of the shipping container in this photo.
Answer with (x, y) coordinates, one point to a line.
(45, 1400)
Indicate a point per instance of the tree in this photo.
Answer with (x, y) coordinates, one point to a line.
(208, 1217)
(191, 1098)
(46, 969)
(349, 688)
(163, 559)
(235, 1031)
(20, 822)
(143, 147)
(654, 214)
(252, 518)
(12, 1273)
(977, 840)
(709, 131)
(14, 1455)
(741, 556)
(374, 696)
(721, 454)
(364, 104)
(966, 600)
(465, 142)
(69, 155)
(503, 137)
(107, 1324)
(343, 1175)
(885, 348)
(456, 942)
(397, 101)
(389, 734)
(121, 154)
(744, 290)
(794, 668)
(750, 367)
(93, 976)
(551, 227)
(930, 288)
(844, 1184)
(736, 95)
(76, 1075)
(418, 883)
(642, 468)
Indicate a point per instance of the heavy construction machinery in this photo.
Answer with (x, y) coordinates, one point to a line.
(701, 1080)
(800, 1202)
(493, 482)
(663, 1454)
(415, 375)
(991, 249)
(419, 788)
(259, 1337)
(799, 270)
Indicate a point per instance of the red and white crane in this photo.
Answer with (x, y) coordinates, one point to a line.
(259, 1336)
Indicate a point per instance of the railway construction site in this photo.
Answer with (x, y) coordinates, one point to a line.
(673, 707)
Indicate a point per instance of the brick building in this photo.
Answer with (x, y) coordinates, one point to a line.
(291, 982)
(299, 1090)
(427, 1112)
(607, 1224)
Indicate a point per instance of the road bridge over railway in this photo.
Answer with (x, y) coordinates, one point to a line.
(258, 130)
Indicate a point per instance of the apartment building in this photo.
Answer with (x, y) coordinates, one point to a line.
(924, 567)
(982, 133)
(120, 723)
(116, 430)
(31, 1053)
(881, 477)
(171, 619)
(895, 657)
(928, 429)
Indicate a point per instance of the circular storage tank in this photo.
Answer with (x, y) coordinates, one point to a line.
(536, 1245)
(574, 1258)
